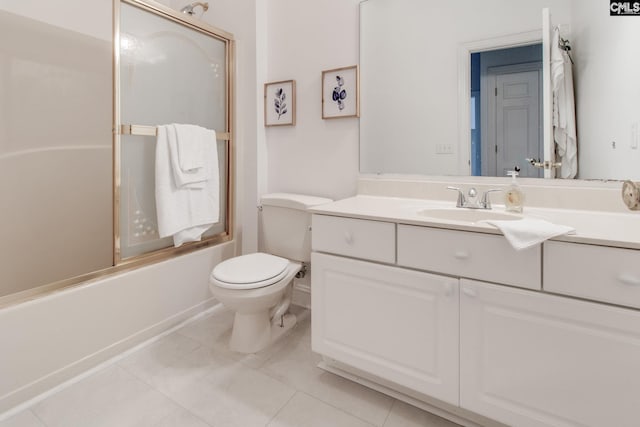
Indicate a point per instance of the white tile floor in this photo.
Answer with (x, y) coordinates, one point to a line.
(189, 378)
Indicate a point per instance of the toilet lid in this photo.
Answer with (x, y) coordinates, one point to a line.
(250, 271)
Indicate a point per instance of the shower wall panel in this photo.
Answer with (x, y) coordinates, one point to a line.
(55, 153)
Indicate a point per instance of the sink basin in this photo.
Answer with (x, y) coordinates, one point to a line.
(467, 215)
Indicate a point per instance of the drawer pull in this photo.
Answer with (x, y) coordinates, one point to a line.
(348, 237)
(461, 255)
(469, 292)
(628, 279)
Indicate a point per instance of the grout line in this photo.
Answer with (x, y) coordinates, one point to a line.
(393, 404)
(282, 407)
(344, 411)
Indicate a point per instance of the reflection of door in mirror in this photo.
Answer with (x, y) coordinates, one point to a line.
(506, 93)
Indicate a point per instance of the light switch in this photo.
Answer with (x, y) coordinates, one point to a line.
(444, 148)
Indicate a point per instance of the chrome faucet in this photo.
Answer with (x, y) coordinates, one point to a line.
(471, 200)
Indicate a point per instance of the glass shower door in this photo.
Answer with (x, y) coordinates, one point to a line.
(169, 72)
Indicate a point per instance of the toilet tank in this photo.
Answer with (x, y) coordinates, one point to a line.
(286, 225)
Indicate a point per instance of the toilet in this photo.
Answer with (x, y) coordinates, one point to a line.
(258, 286)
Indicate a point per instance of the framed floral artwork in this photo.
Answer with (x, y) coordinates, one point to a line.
(341, 93)
(280, 103)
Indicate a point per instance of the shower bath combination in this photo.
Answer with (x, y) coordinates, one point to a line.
(188, 9)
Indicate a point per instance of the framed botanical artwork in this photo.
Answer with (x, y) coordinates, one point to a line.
(280, 103)
(341, 93)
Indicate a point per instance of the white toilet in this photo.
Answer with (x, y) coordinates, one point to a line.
(258, 286)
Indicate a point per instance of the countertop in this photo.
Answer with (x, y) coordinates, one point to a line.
(592, 227)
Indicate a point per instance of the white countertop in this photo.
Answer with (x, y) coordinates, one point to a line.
(592, 227)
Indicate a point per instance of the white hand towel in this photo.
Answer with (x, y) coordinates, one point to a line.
(188, 145)
(185, 213)
(527, 232)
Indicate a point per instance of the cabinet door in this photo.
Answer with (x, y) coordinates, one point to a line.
(530, 359)
(400, 325)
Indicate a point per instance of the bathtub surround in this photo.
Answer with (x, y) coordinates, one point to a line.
(55, 153)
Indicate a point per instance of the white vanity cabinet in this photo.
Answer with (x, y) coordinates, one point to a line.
(412, 305)
(397, 324)
(531, 359)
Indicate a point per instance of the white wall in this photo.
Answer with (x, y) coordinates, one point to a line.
(317, 157)
(606, 73)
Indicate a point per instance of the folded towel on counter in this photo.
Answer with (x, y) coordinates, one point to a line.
(187, 148)
(528, 232)
(185, 212)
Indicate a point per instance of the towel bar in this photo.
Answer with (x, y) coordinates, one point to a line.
(143, 130)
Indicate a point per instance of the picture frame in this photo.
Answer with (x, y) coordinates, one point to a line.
(341, 92)
(280, 103)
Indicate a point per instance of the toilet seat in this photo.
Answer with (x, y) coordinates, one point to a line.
(250, 271)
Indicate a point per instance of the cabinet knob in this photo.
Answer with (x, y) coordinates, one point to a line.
(469, 292)
(628, 279)
(348, 237)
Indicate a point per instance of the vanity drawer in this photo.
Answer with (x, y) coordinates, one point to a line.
(479, 256)
(595, 272)
(358, 238)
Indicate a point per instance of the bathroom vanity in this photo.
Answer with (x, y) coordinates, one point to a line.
(445, 314)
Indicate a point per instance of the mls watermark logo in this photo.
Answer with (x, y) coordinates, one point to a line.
(622, 8)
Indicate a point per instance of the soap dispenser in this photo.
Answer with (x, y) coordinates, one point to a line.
(513, 195)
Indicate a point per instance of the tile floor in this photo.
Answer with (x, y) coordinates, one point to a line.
(190, 379)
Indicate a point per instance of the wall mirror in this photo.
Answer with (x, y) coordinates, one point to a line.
(413, 73)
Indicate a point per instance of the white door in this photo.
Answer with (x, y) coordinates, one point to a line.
(532, 360)
(518, 126)
(400, 325)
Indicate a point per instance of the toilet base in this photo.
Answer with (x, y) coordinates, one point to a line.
(253, 332)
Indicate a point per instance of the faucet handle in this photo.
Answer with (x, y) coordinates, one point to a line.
(461, 200)
(486, 201)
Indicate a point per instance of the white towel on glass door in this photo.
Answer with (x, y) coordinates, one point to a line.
(187, 145)
(185, 212)
(527, 232)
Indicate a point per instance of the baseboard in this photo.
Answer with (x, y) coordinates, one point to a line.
(31, 393)
(301, 294)
(455, 415)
